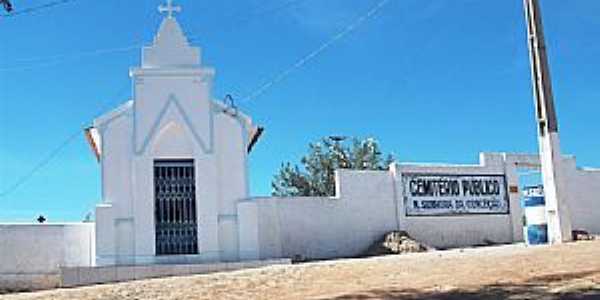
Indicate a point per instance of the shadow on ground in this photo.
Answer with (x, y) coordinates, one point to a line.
(549, 287)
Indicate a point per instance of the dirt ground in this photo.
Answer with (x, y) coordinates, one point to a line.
(570, 271)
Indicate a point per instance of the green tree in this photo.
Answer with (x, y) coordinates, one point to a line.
(316, 176)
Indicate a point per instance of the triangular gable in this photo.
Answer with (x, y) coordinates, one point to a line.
(173, 102)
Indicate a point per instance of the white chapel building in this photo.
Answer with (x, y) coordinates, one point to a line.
(173, 161)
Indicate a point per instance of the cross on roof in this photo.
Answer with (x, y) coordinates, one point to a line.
(169, 8)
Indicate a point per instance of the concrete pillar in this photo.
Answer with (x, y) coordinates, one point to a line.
(514, 197)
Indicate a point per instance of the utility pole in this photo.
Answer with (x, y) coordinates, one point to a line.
(557, 212)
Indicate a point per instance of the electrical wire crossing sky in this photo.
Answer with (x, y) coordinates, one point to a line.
(430, 80)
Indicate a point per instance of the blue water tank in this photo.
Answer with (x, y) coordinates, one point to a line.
(535, 216)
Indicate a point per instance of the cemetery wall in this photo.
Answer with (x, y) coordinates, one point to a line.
(584, 198)
(367, 205)
(450, 229)
(32, 254)
(370, 203)
(320, 227)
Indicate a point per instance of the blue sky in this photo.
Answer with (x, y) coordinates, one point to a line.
(432, 80)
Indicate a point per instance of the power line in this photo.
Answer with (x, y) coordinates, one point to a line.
(264, 10)
(57, 59)
(36, 8)
(49, 61)
(104, 105)
(82, 53)
(44, 162)
(313, 54)
(261, 90)
(237, 19)
(57, 150)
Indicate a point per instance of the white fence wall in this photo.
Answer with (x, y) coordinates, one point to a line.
(31, 254)
(370, 203)
(320, 227)
(584, 198)
(43, 248)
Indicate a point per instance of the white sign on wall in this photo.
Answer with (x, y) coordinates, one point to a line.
(438, 194)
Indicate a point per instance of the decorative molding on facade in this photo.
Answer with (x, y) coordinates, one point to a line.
(155, 128)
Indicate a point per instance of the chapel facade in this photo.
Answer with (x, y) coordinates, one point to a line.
(173, 161)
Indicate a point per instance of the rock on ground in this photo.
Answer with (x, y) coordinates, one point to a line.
(582, 235)
(396, 242)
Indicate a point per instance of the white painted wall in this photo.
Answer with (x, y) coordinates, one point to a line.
(461, 230)
(582, 189)
(370, 203)
(583, 194)
(29, 249)
(320, 227)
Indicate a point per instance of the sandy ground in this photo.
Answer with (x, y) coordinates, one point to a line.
(570, 271)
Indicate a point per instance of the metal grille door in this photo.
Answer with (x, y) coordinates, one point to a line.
(175, 207)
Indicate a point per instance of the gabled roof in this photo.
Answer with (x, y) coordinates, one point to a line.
(254, 131)
(94, 138)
